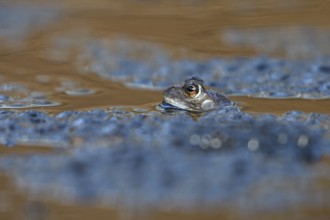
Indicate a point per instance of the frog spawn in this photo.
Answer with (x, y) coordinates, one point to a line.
(222, 156)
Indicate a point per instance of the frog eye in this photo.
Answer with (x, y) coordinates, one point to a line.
(191, 90)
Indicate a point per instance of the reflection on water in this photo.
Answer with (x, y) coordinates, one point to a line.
(118, 56)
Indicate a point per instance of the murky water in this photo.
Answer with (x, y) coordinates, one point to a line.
(79, 56)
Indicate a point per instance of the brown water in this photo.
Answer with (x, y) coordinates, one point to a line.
(25, 68)
(185, 29)
(192, 29)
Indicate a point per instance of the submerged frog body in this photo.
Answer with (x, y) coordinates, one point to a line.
(193, 96)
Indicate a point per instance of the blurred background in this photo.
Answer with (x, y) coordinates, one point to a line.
(80, 55)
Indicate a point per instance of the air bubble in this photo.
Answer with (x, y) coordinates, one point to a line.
(253, 144)
(45, 104)
(205, 143)
(195, 139)
(16, 105)
(79, 92)
(216, 143)
(302, 141)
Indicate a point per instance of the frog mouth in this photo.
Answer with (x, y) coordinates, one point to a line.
(168, 106)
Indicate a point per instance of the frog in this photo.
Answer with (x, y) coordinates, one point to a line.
(192, 96)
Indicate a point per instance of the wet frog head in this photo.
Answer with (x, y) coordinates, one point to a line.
(192, 96)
